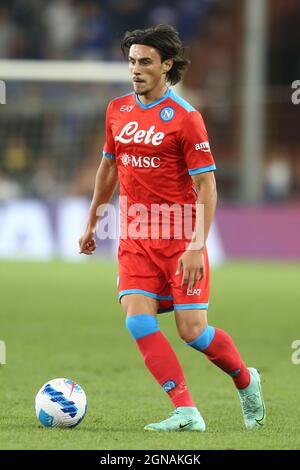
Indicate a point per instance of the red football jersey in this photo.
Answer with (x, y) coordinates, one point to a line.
(157, 147)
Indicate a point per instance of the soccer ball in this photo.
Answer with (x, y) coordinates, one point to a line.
(60, 403)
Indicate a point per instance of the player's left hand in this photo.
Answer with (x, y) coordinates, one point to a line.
(87, 243)
(192, 265)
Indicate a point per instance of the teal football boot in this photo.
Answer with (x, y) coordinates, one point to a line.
(184, 418)
(252, 402)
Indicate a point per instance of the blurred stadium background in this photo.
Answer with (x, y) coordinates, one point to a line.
(244, 61)
(61, 64)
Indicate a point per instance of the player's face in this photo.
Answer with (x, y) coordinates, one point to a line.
(147, 70)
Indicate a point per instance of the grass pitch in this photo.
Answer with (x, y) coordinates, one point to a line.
(63, 320)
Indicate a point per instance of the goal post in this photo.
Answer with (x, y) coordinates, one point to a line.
(64, 71)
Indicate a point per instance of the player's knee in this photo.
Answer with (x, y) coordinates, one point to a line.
(190, 332)
(134, 303)
(141, 325)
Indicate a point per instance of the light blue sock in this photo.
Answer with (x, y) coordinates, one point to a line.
(204, 339)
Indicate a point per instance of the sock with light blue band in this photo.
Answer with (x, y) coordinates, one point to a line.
(204, 339)
(141, 325)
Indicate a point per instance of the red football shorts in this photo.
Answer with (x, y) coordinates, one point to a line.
(148, 267)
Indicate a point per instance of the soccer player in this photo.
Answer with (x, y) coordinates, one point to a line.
(157, 148)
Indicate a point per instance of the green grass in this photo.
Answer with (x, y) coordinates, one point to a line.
(63, 320)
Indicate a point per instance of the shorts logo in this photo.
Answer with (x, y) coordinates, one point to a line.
(193, 291)
(141, 161)
(167, 113)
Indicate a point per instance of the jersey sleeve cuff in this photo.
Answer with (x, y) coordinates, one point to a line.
(108, 155)
(204, 169)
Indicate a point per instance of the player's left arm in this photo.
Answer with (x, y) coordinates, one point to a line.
(205, 184)
(200, 164)
(192, 260)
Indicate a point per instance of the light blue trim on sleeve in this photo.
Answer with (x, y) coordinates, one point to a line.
(108, 155)
(204, 169)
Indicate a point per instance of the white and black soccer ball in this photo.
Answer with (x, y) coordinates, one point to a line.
(60, 403)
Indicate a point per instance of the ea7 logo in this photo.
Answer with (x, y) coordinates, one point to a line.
(126, 108)
(193, 291)
(204, 146)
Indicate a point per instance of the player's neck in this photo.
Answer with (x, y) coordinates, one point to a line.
(153, 95)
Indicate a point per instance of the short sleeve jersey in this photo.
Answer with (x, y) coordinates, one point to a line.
(157, 148)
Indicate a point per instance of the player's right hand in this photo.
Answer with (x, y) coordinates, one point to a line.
(87, 243)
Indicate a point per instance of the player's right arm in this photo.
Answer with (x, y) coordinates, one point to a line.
(105, 186)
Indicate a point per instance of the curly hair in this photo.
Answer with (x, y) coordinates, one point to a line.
(166, 40)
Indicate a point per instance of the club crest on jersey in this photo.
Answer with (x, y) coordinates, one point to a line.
(132, 133)
(167, 113)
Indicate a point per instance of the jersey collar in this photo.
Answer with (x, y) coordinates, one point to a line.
(154, 103)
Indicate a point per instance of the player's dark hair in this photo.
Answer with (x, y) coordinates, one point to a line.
(167, 42)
